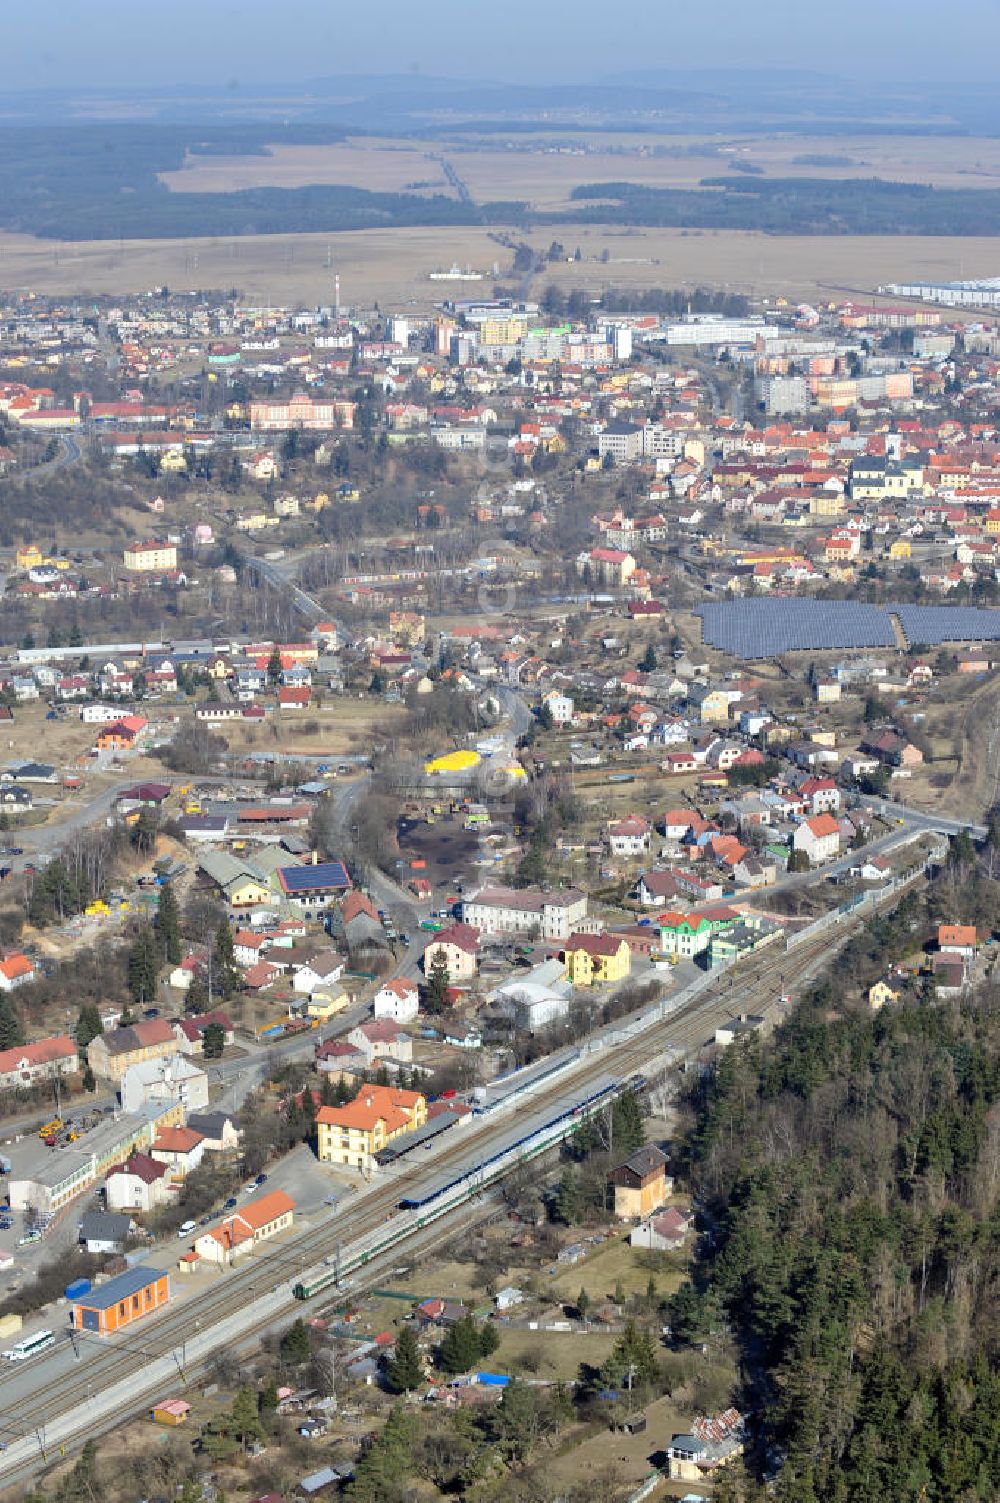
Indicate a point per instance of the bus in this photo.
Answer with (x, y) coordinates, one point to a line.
(30, 1346)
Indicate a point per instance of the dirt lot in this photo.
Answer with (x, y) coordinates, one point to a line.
(448, 849)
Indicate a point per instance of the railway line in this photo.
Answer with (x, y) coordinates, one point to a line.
(55, 1394)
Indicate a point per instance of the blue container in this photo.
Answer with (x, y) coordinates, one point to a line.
(78, 1289)
(492, 1380)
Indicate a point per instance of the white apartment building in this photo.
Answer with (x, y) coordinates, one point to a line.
(509, 910)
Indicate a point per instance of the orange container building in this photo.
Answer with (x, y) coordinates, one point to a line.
(122, 1301)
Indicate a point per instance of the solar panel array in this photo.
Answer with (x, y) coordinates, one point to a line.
(930, 625)
(305, 878)
(765, 628)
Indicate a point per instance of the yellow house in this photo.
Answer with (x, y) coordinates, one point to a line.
(992, 523)
(111, 1054)
(173, 462)
(593, 958)
(352, 1135)
(29, 557)
(900, 548)
(150, 556)
(826, 504)
(712, 704)
(880, 994)
(319, 1007)
(641, 1183)
(247, 892)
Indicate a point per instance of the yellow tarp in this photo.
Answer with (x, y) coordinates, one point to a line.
(456, 761)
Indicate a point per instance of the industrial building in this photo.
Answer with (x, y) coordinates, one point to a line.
(122, 1301)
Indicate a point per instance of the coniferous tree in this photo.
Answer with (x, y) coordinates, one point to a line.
(11, 1030)
(88, 1026)
(168, 924)
(226, 974)
(143, 967)
(405, 1368)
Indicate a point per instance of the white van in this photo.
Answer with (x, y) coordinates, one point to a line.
(186, 1228)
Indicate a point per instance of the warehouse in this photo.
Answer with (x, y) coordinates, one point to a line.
(122, 1301)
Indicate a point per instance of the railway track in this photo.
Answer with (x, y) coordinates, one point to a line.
(260, 1290)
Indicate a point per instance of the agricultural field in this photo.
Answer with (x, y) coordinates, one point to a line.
(542, 171)
(383, 166)
(392, 266)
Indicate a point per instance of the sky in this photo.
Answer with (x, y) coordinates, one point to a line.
(218, 42)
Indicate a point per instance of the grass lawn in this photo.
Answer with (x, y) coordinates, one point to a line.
(616, 1262)
(555, 1355)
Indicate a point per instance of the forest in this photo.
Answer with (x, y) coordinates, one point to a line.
(850, 1175)
(90, 182)
(102, 182)
(797, 206)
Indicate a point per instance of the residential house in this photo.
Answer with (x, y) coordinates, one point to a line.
(397, 1000)
(880, 994)
(104, 1231)
(220, 1131)
(180, 1149)
(818, 837)
(957, 940)
(458, 946)
(190, 1032)
(318, 972)
(15, 970)
(654, 888)
(663, 1233)
(140, 1184)
(382, 1039)
(123, 734)
(594, 959)
(821, 794)
(713, 1441)
(756, 869)
(313, 887)
(111, 1054)
(629, 836)
(689, 934)
(26, 1064)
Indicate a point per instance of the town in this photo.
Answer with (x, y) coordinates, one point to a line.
(437, 740)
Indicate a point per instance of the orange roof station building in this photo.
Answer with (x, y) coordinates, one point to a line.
(122, 1301)
(240, 1232)
(353, 1134)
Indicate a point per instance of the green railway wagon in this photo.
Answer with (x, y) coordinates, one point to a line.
(306, 1288)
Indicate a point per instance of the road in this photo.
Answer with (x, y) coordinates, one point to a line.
(70, 452)
(60, 1398)
(42, 840)
(268, 570)
(916, 819)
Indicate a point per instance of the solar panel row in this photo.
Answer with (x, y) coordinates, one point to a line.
(930, 625)
(765, 628)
